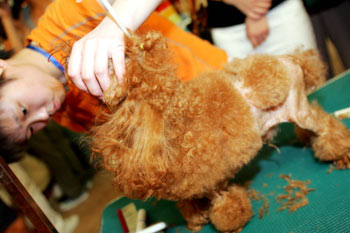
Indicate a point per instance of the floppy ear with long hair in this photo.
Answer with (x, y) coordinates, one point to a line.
(134, 149)
(131, 141)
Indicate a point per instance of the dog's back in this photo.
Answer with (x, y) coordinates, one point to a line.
(276, 87)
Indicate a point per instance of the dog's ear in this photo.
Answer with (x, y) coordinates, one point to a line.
(131, 142)
(144, 168)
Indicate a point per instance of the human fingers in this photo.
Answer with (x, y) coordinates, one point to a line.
(263, 31)
(254, 15)
(118, 58)
(252, 32)
(266, 32)
(101, 66)
(259, 8)
(263, 3)
(253, 39)
(259, 40)
(87, 68)
(74, 66)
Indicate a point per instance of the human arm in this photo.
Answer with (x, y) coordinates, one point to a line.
(88, 63)
(9, 27)
(257, 28)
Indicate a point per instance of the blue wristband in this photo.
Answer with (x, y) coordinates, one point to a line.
(48, 56)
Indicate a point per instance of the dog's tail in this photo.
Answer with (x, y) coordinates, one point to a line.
(313, 67)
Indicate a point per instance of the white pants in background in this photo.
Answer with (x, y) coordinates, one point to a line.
(290, 28)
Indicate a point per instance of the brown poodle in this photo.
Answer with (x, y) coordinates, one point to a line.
(184, 141)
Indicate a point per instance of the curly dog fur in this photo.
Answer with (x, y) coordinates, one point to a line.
(184, 141)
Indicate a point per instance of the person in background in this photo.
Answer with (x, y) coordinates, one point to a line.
(11, 32)
(259, 26)
(330, 20)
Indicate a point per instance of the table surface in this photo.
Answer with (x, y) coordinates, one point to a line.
(328, 209)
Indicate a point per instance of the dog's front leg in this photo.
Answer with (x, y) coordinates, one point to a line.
(195, 212)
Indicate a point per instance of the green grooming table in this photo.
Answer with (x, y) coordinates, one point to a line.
(328, 210)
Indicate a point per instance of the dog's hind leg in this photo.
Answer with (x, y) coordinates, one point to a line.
(330, 140)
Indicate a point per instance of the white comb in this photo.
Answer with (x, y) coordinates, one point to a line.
(107, 6)
(342, 113)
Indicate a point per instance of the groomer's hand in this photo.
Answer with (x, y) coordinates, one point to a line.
(257, 30)
(88, 62)
(254, 9)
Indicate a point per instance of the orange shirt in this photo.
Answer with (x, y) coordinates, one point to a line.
(66, 20)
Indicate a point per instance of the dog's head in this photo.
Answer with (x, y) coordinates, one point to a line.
(150, 75)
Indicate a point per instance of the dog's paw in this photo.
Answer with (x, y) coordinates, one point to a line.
(194, 227)
(343, 163)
